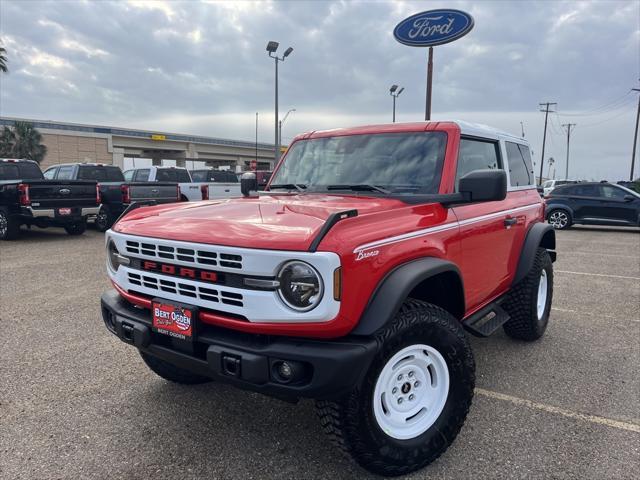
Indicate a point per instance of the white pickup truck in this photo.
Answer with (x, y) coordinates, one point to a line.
(189, 190)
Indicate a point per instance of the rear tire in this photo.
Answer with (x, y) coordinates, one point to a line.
(414, 398)
(529, 302)
(9, 226)
(104, 219)
(76, 228)
(172, 373)
(559, 219)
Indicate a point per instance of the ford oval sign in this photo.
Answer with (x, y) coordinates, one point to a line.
(434, 27)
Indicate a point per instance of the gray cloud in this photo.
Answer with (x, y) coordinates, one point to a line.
(201, 67)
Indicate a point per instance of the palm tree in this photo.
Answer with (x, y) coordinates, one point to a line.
(25, 142)
(7, 139)
(3, 60)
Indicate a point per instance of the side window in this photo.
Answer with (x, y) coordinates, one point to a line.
(476, 155)
(166, 175)
(520, 168)
(65, 173)
(128, 175)
(50, 173)
(612, 192)
(9, 171)
(183, 175)
(586, 191)
(199, 175)
(142, 175)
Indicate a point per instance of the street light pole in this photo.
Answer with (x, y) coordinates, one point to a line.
(272, 47)
(395, 93)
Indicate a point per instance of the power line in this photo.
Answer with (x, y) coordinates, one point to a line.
(607, 107)
(544, 135)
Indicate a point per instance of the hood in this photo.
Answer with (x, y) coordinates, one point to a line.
(278, 222)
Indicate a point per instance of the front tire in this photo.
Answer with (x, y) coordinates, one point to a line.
(529, 302)
(172, 373)
(76, 228)
(559, 219)
(414, 398)
(9, 226)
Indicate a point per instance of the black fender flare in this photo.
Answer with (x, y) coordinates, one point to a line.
(539, 235)
(395, 287)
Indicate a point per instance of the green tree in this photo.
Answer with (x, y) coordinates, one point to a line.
(23, 141)
(3, 60)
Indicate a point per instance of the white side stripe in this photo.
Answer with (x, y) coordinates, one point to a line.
(442, 228)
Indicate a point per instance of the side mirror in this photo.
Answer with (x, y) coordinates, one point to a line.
(629, 198)
(248, 183)
(484, 185)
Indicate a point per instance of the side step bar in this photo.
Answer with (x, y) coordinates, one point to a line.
(486, 321)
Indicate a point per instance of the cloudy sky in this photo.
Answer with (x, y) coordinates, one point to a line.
(201, 67)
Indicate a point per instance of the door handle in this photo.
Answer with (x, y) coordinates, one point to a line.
(508, 222)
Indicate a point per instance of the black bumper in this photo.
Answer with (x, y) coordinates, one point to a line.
(327, 369)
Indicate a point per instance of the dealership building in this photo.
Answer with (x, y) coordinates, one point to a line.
(127, 148)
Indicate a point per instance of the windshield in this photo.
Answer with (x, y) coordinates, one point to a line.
(100, 173)
(397, 162)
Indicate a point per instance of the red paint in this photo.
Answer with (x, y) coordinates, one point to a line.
(485, 250)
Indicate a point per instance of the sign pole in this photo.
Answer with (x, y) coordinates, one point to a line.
(427, 111)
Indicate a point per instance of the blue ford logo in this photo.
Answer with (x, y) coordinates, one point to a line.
(433, 27)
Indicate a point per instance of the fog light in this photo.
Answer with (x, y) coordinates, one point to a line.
(285, 371)
(288, 371)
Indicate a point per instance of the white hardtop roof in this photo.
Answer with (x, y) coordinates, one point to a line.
(481, 130)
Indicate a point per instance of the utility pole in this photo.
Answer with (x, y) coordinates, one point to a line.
(544, 135)
(568, 126)
(522, 128)
(427, 109)
(256, 138)
(635, 137)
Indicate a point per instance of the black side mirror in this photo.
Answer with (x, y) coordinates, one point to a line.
(629, 198)
(248, 183)
(484, 185)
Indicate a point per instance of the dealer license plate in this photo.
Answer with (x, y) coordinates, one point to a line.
(173, 319)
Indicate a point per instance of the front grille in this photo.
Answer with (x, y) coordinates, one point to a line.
(197, 257)
(179, 288)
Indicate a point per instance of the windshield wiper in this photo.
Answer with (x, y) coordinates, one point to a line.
(363, 187)
(289, 186)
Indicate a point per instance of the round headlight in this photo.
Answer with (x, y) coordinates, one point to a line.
(301, 286)
(113, 256)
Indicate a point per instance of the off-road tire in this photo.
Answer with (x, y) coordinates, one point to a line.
(522, 300)
(350, 422)
(9, 226)
(556, 225)
(76, 228)
(172, 373)
(105, 219)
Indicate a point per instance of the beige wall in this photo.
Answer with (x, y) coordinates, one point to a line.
(70, 148)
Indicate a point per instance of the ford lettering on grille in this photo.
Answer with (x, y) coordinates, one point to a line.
(179, 271)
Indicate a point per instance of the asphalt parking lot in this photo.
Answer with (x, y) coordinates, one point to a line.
(75, 402)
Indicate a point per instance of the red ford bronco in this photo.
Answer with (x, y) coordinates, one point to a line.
(350, 280)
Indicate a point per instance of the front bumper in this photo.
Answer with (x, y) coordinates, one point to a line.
(329, 369)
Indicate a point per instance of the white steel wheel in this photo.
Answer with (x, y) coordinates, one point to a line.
(411, 391)
(542, 294)
(558, 219)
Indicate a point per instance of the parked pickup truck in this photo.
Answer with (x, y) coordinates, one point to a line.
(115, 194)
(27, 198)
(220, 183)
(351, 280)
(189, 190)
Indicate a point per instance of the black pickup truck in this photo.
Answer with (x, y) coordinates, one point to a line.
(27, 198)
(115, 193)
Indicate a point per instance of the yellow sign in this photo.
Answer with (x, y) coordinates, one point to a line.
(283, 149)
(158, 137)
